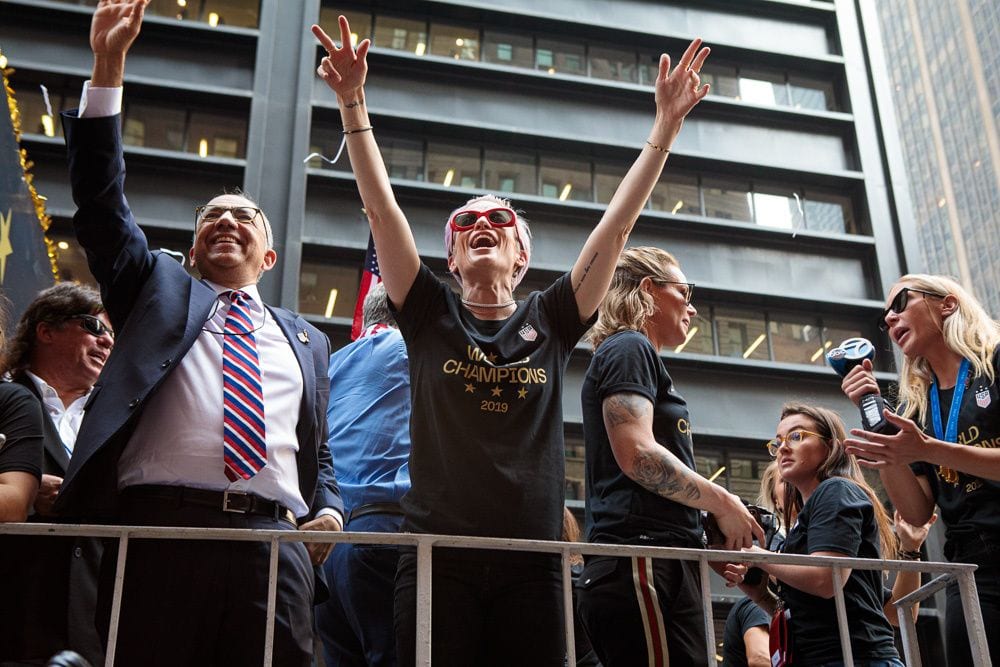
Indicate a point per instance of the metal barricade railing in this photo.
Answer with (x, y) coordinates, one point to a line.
(945, 574)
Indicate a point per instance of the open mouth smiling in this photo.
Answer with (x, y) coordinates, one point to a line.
(483, 240)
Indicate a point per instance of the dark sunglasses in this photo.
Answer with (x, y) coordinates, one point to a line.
(688, 288)
(497, 217)
(93, 325)
(899, 303)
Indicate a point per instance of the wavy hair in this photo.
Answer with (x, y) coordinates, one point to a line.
(838, 463)
(626, 307)
(969, 332)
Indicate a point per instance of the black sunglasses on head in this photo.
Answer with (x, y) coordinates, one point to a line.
(899, 303)
(93, 325)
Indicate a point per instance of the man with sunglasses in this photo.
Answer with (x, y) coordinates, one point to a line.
(57, 351)
(212, 411)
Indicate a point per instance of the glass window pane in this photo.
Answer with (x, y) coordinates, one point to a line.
(454, 41)
(562, 57)
(729, 200)
(699, 336)
(566, 180)
(401, 34)
(649, 68)
(35, 118)
(723, 80)
(153, 126)
(811, 94)
(744, 477)
(741, 334)
(606, 180)
(240, 13)
(326, 142)
(511, 172)
(796, 340)
(217, 134)
(763, 87)
(575, 469)
(777, 208)
(506, 49)
(613, 64)
(452, 166)
(836, 331)
(404, 158)
(327, 289)
(707, 464)
(676, 193)
(827, 212)
(361, 24)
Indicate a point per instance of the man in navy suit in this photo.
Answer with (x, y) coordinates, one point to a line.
(168, 439)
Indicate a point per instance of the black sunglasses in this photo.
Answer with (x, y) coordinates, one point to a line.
(93, 325)
(899, 303)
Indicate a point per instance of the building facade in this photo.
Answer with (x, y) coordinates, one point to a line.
(780, 198)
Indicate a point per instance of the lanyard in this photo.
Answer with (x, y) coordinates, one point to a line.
(951, 432)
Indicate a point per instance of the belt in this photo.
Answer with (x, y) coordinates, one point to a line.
(373, 508)
(236, 502)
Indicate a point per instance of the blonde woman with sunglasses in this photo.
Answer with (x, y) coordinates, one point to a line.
(946, 450)
(486, 425)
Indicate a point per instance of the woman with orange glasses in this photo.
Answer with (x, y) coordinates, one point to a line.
(946, 450)
(835, 513)
(486, 424)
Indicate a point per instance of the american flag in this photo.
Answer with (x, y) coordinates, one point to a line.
(370, 277)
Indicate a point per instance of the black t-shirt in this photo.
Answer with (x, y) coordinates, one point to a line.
(486, 423)
(838, 517)
(969, 505)
(21, 423)
(743, 616)
(618, 509)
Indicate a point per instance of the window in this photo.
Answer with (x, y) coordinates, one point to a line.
(508, 49)
(744, 475)
(511, 172)
(649, 68)
(401, 34)
(777, 208)
(606, 181)
(796, 341)
(327, 289)
(326, 142)
(35, 118)
(741, 334)
(403, 158)
(828, 212)
(563, 57)
(699, 336)
(676, 193)
(361, 24)
(452, 41)
(729, 200)
(452, 166)
(804, 93)
(154, 126)
(763, 87)
(566, 180)
(215, 134)
(239, 13)
(613, 64)
(723, 80)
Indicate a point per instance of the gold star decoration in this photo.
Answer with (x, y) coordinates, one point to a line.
(469, 389)
(496, 391)
(6, 249)
(522, 393)
(492, 357)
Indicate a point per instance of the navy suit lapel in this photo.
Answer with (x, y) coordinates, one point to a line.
(295, 331)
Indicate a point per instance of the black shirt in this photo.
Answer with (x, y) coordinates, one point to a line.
(486, 423)
(21, 423)
(970, 506)
(618, 509)
(838, 517)
(742, 617)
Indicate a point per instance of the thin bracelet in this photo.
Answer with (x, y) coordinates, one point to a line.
(359, 129)
(659, 148)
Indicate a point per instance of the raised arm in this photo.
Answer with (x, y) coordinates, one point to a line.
(345, 69)
(677, 92)
(628, 419)
(115, 26)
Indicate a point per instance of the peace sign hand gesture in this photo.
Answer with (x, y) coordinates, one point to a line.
(344, 68)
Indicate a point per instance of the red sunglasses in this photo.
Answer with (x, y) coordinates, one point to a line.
(497, 217)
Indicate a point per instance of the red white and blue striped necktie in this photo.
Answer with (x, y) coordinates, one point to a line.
(243, 399)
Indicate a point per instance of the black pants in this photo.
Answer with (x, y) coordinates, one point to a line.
(640, 611)
(959, 651)
(489, 608)
(198, 602)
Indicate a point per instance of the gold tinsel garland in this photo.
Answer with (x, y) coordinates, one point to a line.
(44, 220)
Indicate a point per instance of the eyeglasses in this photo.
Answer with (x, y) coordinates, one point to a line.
(899, 303)
(245, 215)
(93, 325)
(794, 437)
(688, 288)
(497, 217)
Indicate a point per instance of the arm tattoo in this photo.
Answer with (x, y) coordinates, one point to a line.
(624, 408)
(356, 103)
(656, 472)
(586, 270)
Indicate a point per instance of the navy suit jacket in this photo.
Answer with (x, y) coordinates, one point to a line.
(158, 311)
(56, 458)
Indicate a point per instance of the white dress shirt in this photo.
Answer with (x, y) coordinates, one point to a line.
(66, 418)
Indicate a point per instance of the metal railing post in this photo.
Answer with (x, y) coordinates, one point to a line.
(843, 629)
(908, 633)
(974, 619)
(272, 601)
(424, 608)
(116, 599)
(706, 602)
(568, 610)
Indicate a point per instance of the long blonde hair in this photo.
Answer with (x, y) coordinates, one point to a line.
(626, 307)
(969, 332)
(838, 463)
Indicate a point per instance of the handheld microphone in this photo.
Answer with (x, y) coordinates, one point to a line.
(842, 359)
